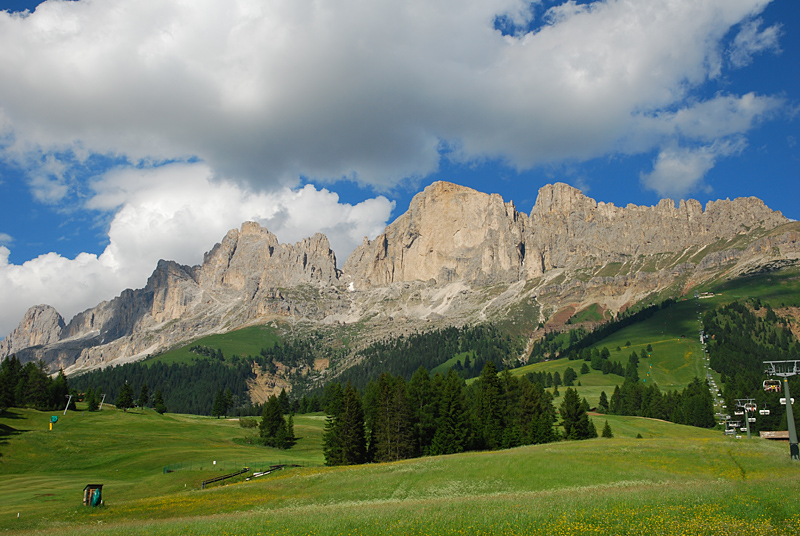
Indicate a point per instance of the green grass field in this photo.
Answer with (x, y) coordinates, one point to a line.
(675, 480)
(242, 342)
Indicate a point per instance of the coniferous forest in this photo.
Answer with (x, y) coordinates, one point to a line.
(741, 336)
(394, 419)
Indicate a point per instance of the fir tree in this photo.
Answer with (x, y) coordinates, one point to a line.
(452, 426)
(273, 428)
(489, 410)
(91, 400)
(607, 430)
(144, 396)
(219, 407)
(344, 439)
(391, 434)
(576, 422)
(602, 405)
(125, 397)
(158, 403)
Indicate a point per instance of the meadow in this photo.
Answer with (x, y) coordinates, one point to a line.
(242, 342)
(673, 480)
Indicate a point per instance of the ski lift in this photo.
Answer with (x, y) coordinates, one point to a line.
(750, 407)
(772, 386)
(729, 432)
(763, 412)
(743, 429)
(751, 419)
(737, 413)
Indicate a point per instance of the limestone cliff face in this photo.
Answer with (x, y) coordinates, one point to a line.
(238, 280)
(432, 264)
(455, 233)
(40, 326)
(571, 229)
(449, 233)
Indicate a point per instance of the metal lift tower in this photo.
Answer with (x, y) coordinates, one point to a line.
(785, 370)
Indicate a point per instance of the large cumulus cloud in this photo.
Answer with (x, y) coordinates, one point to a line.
(249, 98)
(268, 91)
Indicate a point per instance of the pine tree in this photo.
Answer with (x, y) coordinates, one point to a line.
(423, 402)
(452, 426)
(158, 403)
(9, 377)
(584, 369)
(607, 430)
(144, 396)
(125, 397)
(283, 398)
(344, 439)
(570, 376)
(576, 422)
(489, 410)
(352, 427)
(616, 401)
(332, 446)
(59, 391)
(218, 408)
(602, 405)
(91, 400)
(273, 428)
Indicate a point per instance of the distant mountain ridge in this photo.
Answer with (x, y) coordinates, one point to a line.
(456, 256)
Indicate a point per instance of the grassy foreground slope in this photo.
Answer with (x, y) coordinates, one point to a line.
(676, 480)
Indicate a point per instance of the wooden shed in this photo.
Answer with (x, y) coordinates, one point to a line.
(775, 436)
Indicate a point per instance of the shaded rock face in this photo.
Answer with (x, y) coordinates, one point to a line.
(431, 263)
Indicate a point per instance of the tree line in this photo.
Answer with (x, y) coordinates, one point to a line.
(185, 387)
(29, 385)
(393, 419)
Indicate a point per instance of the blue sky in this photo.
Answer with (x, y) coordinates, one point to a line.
(136, 130)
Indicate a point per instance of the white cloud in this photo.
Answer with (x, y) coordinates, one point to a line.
(270, 91)
(264, 92)
(6, 239)
(175, 212)
(679, 170)
(750, 41)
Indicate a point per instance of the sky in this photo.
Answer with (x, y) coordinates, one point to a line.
(136, 130)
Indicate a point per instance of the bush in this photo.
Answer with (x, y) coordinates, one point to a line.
(248, 422)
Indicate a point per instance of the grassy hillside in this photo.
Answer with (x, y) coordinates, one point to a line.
(242, 342)
(677, 355)
(676, 479)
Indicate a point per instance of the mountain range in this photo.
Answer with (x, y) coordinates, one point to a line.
(456, 257)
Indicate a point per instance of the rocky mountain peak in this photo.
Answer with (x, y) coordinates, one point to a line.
(562, 198)
(450, 232)
(451, 244)
(41, 325)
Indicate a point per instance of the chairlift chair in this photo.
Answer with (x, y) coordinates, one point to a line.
(763, 412)
(772, 386)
